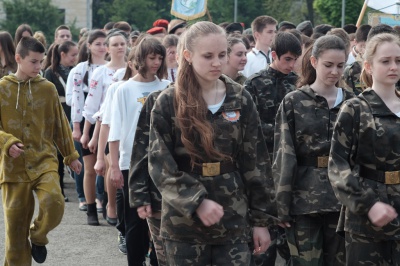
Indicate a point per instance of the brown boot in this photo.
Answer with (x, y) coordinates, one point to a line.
(92, 218)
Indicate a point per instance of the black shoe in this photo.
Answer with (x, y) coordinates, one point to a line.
(122, 244)
(66, 199)
(92, 218)
(39, 253)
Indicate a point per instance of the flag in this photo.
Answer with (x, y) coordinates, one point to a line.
(188, 9)
(387, 6)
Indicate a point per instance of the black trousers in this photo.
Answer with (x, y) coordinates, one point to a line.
(136, 230)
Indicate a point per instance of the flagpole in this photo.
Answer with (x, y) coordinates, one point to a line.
(360, 18)
(235, 12)
(209, 15)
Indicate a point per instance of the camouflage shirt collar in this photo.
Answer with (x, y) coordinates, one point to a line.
(311, 93)
(277, 74)
(233, 99)
(378, 107)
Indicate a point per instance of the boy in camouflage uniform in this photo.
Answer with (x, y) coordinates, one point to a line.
(351, 74)
(32, 120)
(268, 87)
(364, 160)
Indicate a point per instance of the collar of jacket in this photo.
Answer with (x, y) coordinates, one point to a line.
(378, 107)
(311, 93)
(279, 75)
(233, 98)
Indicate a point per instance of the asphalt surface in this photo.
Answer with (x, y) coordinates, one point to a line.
(73, 242)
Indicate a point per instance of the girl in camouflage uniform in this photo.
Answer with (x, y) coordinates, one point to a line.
(208, 159)
(365, 163)
(304, 123)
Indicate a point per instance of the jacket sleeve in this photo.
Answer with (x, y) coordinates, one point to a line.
(179, 189)
(62, 132)
(255, 166)
(267, 128)
(6, 140)
(138, 180)
(342, 171)
(285, 161)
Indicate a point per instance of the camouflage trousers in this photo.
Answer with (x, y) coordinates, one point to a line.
(278, 245)
(180, 253)
(19, 206)
(154, 226)
(368, 251)
(313, 240)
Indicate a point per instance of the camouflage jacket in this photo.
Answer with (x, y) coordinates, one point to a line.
(268, 87)
(303, 130)
(246, 194)
(351, 78)
(240, 79)
(142, 190)
(366, 133)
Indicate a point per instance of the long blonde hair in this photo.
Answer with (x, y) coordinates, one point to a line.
(190, 107)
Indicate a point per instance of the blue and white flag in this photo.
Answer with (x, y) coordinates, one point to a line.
(188, 9)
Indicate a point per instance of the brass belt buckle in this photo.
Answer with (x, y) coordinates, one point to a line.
(211, 169)
(323, 162)
(392, 178)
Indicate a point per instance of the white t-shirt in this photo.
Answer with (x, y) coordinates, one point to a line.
(256, 61)
(126, 107)
(339, 97)
(214, 107)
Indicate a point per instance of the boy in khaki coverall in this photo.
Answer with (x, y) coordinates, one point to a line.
(31, 122)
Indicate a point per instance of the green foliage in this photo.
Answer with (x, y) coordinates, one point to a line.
(39, 14)
(330, 11)
(140, 14)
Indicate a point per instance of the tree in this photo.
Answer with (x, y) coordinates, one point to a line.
(39, 14)
(331, 11)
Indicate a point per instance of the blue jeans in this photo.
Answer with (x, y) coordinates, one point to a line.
(79, 178)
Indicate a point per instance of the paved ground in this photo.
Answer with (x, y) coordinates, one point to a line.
(73, 242)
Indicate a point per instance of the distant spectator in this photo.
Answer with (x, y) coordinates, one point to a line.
(286, 25)
(176, 26)
(306, 27)
(350, 28)
(323, 28)
(62, 34)
(23, 30)
(39, 35)
(7, 54)
(235, 27)
(109, 26)
(124, 26)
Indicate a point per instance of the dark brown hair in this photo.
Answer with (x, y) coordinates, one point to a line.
(19, 31)
(322, 44)
(29, 44)
(7, 46)
(56, 57)
(149, 45)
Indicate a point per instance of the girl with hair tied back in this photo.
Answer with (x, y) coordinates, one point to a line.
(307, 206)
(207, 160)
(364, 165)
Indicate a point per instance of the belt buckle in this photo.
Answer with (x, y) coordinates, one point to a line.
(392, 178)
(211, 169)
(323, 162)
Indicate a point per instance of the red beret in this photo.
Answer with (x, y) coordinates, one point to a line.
(155, 30)
(161, 23)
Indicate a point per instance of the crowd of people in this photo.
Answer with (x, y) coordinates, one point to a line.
(206, 144)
